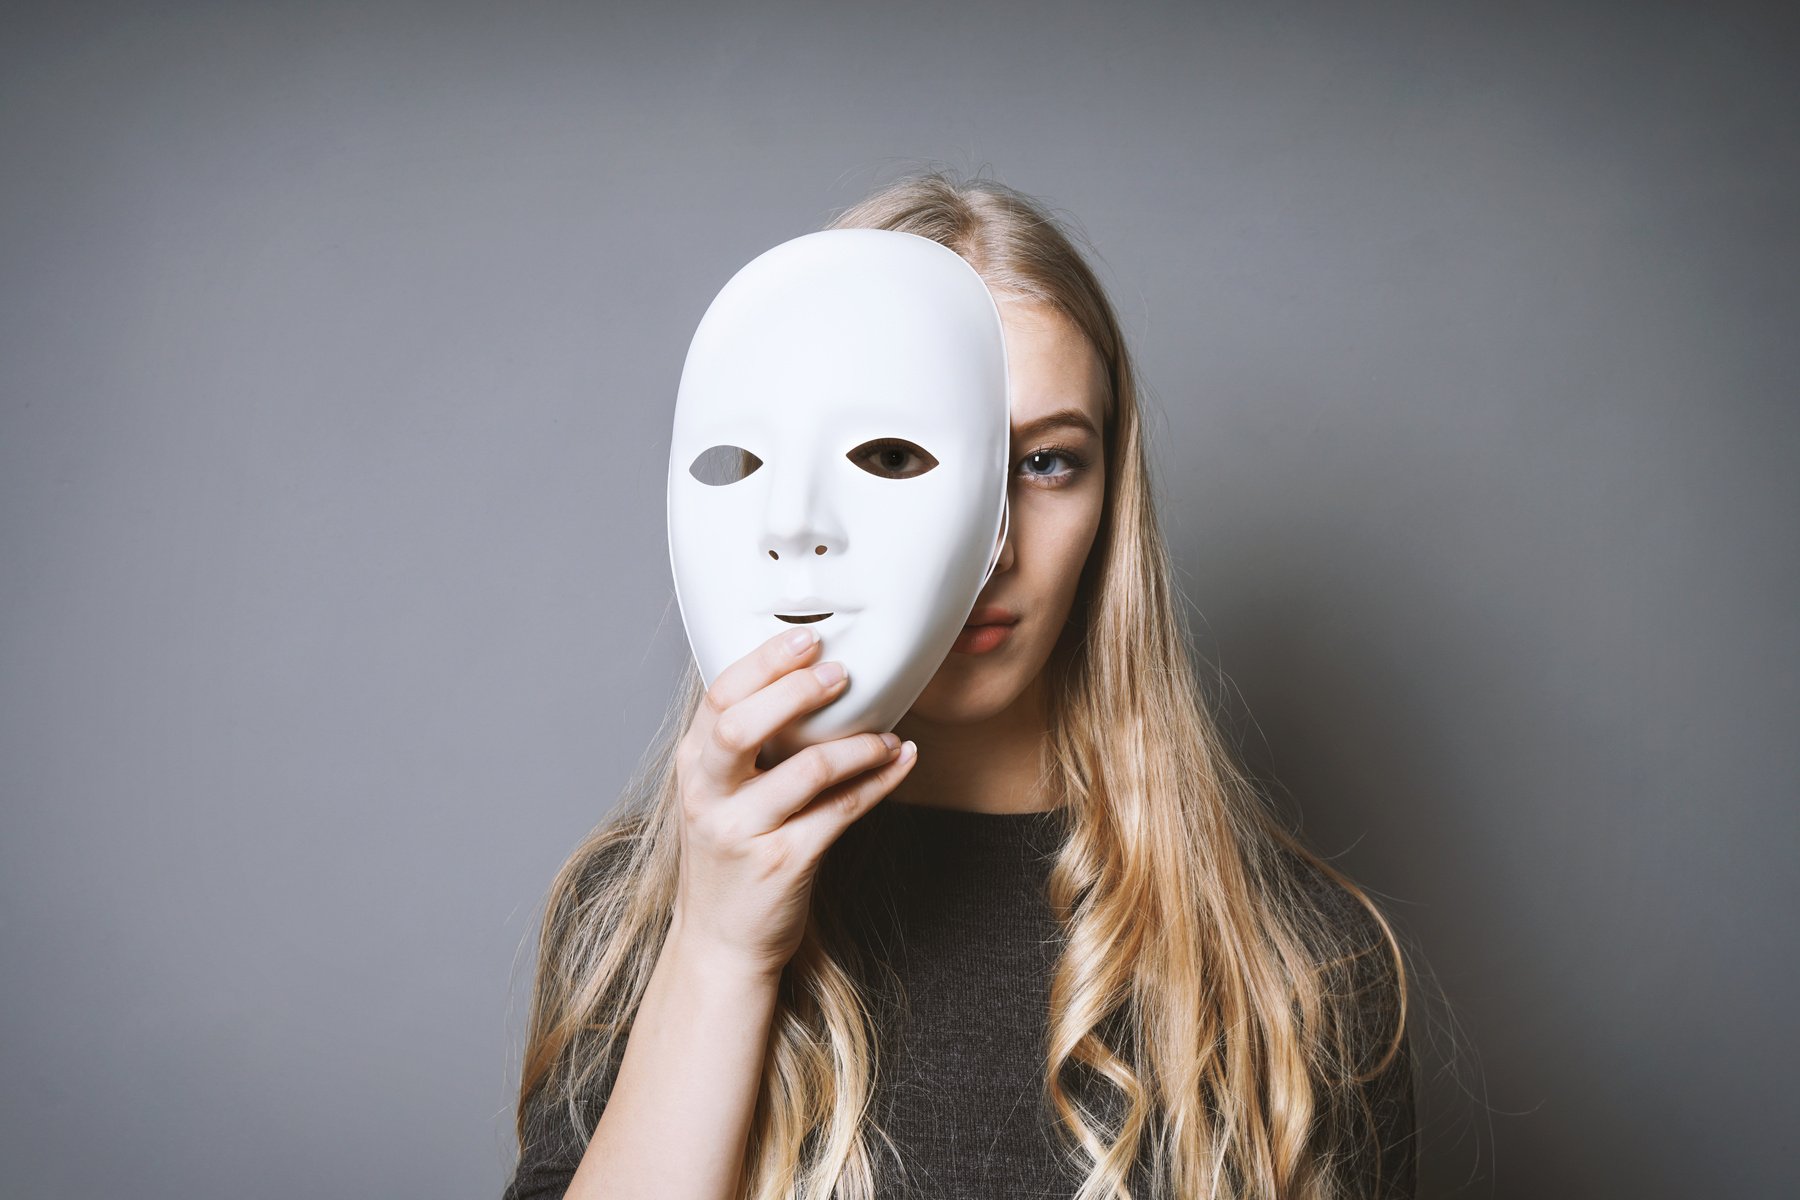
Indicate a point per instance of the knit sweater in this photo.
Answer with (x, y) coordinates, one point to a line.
(960, 943)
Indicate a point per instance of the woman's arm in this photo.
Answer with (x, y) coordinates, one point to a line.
(675, 1124)
(1381, 1147)
(675, 1120)
(674, 1111)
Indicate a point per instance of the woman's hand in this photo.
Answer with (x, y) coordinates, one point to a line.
(752, 839)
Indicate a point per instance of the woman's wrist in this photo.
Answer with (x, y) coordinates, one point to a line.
(705, 963)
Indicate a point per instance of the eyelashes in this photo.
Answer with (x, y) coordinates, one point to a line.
(888, 458)
(1077, 464)
(886, 449)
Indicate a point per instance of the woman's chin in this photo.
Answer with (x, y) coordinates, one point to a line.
(965, 691)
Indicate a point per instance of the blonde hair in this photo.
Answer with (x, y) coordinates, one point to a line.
(1209, 1029)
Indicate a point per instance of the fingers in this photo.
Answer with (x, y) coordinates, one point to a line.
(753, 698)
(813, 829)
(780, 792)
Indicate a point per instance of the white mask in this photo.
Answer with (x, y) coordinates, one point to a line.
(807, 359)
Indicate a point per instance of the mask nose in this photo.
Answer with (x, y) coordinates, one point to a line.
(796, 524)
(786, 549)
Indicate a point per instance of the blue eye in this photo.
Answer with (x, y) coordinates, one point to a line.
(892, 458)
(1076, 463)
(720, 465)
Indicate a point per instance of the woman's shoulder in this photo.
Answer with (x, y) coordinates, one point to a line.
(1357, 953)
(607, 853)
(1353, 921)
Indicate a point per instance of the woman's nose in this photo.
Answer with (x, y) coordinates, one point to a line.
(1007, 555)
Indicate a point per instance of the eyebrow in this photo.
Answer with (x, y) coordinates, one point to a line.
(1062, 418)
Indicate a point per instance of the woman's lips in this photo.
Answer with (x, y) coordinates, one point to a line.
(992, 614)
(979, 639)
(987, 627)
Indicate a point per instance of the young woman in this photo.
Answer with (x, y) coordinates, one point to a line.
(1053, 944)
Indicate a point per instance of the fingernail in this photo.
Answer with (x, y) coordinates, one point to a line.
(800, 639)
(829, 673)
(890, 740)
(906, 752)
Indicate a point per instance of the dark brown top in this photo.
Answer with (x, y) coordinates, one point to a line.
(964, 1013)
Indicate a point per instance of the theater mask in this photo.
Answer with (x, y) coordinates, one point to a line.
(839, 461)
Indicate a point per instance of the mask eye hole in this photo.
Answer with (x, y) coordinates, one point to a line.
(892, 458)
(721, 465)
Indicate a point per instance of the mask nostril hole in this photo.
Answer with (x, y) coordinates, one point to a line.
(774, 555)
(818, 549)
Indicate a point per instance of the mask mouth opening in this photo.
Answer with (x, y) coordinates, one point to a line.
(802, 618)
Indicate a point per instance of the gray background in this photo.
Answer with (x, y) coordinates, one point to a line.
(338, 345)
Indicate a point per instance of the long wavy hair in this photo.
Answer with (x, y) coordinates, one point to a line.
(1212, 1021)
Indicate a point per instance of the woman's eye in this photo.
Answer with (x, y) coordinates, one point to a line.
(1045, 458)
(720, 465)
(892, 458)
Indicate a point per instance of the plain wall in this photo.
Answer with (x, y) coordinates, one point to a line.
(338, 345)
